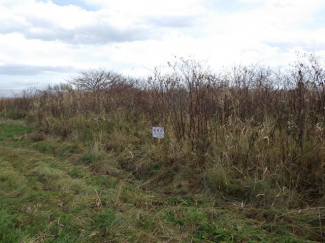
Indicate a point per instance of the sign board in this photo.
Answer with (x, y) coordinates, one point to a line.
(158, 132)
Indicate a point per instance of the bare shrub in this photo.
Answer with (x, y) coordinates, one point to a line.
(96, 80)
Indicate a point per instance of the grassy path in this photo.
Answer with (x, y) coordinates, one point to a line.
(47, 198)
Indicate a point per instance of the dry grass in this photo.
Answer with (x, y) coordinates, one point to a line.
(60, 190)
(247, 133)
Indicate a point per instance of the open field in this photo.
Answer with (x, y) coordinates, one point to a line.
(242, 159)
(50, 193)
(162, 121)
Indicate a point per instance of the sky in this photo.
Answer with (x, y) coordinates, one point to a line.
(49, 41)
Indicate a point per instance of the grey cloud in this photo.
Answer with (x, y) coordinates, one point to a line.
(19, 69)
(10, 26)
(91, 34)
(235, 6)
(80, 3)
(98, 33)
(11, 87)
(9, 93)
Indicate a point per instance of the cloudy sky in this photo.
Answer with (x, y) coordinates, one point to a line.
(47, 41)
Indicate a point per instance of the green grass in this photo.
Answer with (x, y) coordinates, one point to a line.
(49, 192)
(11, 129)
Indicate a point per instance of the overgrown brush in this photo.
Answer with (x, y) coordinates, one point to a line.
(16, 108)
(249, 132)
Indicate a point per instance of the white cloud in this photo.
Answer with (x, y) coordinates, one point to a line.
(134, 36)
(152, 7)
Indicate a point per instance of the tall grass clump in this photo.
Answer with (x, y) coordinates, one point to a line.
(16, 107)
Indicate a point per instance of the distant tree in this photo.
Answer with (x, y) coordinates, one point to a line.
(60, 87)
(96, 79)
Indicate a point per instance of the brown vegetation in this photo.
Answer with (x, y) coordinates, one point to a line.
(249, 132)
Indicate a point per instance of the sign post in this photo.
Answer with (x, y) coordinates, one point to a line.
(158, 132)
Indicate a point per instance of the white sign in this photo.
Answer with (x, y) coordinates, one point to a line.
(158, 132)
